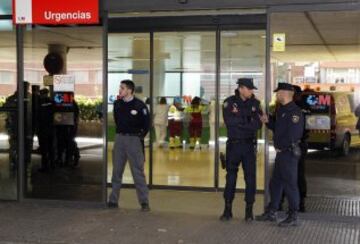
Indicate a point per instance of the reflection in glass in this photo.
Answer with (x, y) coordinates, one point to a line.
(8, 112)
(63, 124)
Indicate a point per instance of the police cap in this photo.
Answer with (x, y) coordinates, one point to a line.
(247, 82)
(284, 86)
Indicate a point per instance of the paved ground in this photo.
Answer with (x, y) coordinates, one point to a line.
(176, 217)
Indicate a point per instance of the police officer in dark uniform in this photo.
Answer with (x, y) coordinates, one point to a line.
(132, 120)
(304, 148)
(11, 125)
(287, 126)
(73, 150)
(242, 119)
(45, 130)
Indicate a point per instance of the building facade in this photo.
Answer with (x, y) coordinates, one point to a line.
(175, 50)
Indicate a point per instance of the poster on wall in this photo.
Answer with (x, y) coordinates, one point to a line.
(64, 83)
(55, 12)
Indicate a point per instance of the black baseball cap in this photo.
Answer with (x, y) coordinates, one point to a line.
(284, 86)
(247, 82)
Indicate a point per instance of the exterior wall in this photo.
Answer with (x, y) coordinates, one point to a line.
(159, 5)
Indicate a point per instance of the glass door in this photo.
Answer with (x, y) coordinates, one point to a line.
(8, 112)
(184, 92)
(243, 56)
(63, 125)
(128, 58)
(181, 147)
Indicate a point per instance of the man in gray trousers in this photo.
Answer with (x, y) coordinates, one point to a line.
(132, 120)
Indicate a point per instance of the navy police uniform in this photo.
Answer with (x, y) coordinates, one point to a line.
(242, 121)
(287, 126)
(304, 148)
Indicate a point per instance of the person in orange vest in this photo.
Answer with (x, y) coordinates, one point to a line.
(195, 125)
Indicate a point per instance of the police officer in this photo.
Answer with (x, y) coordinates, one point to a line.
(73, 149)
(304, 148)
(11, 125)
(287, 126)
(45, 130)
(242, 119)
(132, 121)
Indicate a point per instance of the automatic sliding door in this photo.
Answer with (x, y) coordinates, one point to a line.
(128, 58)
(184, 111)
(242, 55)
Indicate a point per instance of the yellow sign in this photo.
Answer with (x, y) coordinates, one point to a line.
(279, 42)
(48, 80)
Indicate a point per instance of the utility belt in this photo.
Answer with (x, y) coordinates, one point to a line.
(294, 148)
(242, 141)
(129, 134)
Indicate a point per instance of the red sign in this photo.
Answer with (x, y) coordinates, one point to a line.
(56, 12)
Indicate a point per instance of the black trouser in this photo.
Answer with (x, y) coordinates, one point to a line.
(301, 171)
(46, 143)
(240, 152)
(301, 179)
(284, 179)
(66, 143)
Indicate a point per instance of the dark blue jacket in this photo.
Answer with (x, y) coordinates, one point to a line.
(131, 117)
(287, 126)
(245, 123)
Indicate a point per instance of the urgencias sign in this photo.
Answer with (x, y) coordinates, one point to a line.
(56, 12)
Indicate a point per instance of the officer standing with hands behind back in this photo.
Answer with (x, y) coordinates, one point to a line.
(132, 120)
(287, 126)
(242, 119)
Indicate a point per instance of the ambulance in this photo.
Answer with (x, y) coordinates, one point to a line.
(331, 121)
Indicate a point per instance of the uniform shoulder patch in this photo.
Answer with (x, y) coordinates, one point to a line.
(226, 104)
(295, 119)
(145, 111)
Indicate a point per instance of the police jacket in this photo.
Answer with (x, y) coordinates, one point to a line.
(243, 123)
(287, 126)
(45, 114)
(131, 117)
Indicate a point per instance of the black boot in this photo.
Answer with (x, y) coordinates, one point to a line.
(249, 216)
(291, 220)
(269, 215)
(227, 215)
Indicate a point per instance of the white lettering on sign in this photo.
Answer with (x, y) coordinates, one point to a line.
(58, 17)
(64, 83)
(55, 12)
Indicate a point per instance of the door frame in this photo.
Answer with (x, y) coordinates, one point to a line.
(216, 24)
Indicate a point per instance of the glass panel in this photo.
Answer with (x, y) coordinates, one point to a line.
(129, 58)
(8, 113)
(324, 60)
(242, 55)
(63, 129)
(5, 7)
(184, 73)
